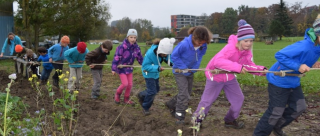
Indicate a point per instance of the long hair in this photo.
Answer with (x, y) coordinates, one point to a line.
(10, 33)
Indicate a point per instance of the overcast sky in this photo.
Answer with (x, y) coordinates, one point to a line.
(159, 11)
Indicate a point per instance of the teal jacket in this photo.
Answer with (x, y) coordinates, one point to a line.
(16, 40)
(150, 65)
(74, 57)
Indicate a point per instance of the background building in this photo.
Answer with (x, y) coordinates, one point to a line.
(6, 23)
(180, 21)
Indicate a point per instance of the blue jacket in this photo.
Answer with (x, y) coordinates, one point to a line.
(290, 58)
(150, 65)
(45, 58)
(16, 40)
(73, 56)
(184, 56)
(55, 52)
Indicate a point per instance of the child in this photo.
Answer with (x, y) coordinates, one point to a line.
(47, 67)
(20, 52)
(76, 56)
(236, 56)
(151, 67)
(98, 56)
(286, 99)
(187, 55)
(125, 55)
(12, 40)
(55, 54)
(32, 65)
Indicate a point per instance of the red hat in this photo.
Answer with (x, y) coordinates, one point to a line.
(18, 48)
(81, 47)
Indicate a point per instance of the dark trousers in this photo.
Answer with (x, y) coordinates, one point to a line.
(149, 94)
(34, 70)
(285, 105)
(45, 74)
(57, 72)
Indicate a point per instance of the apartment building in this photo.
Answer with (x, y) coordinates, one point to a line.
(180, 21)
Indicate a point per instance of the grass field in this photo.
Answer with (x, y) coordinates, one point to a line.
(263, 55)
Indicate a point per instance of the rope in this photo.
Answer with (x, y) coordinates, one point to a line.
(215, 71)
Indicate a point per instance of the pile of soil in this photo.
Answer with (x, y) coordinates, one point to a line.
(104, 117)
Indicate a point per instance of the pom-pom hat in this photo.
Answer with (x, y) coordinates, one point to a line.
(245, 31)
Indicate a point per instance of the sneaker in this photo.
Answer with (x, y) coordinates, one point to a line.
(94, 97)
(234, 124)
(279, 132)
(129, 102)
(145, 112)
(179, 122)
(117, 98)
(172, 110)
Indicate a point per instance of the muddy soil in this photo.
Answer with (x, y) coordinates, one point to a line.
(103, 117)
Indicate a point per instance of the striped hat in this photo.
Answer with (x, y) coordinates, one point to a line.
(245, 31)
(316, 25)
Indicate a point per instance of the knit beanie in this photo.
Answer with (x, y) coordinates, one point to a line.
(316, 25)
(65, 39)
(165, 47)
(132, 32)
(245, 31)
(18, 48)
(81, 47)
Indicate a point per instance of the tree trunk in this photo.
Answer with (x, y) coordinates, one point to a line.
(36, 37)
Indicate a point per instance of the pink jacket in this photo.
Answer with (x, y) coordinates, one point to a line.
(231, 59)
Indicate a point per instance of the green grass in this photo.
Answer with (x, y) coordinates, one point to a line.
(263, 55)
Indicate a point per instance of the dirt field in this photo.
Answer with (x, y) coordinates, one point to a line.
(97, 117)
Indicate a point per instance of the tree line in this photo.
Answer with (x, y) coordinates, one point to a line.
(279, 19)
(83, 20)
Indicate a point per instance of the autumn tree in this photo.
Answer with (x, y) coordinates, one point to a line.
(283, 18)
(213, 22)
(229, 21)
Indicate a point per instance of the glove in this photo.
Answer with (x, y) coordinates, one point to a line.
(185, 71)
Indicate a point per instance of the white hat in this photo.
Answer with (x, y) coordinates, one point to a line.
(165, 47)
(132, 32)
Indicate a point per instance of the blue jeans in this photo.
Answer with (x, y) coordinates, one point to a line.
(149, 94)
(45, 74)
(285, 105)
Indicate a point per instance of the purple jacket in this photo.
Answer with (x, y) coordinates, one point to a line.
(125, 55)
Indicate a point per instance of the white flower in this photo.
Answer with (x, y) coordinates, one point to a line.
(13, 76)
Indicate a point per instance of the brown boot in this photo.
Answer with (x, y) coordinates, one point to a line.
(234, 124)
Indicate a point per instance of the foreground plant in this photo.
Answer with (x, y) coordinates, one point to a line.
(7, 107)
(196, 125)
(64, 107)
